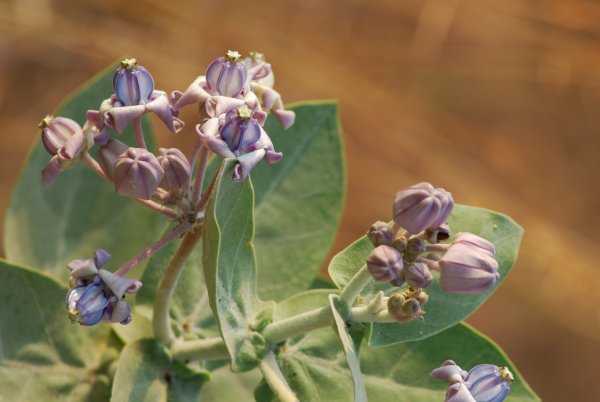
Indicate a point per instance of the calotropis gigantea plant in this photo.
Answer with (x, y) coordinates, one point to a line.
(205, 288)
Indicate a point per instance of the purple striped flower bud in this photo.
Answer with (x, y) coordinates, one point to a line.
(489, 383)
(227, 75)
(133, 84)
(380, 233)
(421, 206)
(385, 263)
(56, 131)
(137, 173)
(469, 265)
(86, 305)
(418, 275)
(176, 167)
(108, 154)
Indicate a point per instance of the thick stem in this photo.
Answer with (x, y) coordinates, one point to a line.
(279, 331)
(206, 195)
(275, 379)
(440, 248)
(164, 293)
(433, 265)
(139, 133)
(364, 314)
(200, 349)
(200, 171)
(352, 289)
(148, 251)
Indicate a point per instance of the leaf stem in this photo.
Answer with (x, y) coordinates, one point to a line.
(275, 379)
(352, 289)
(279, 331)
(166, 287)
(200, 349)
(365, 314)
(153, 248)
(139, 133)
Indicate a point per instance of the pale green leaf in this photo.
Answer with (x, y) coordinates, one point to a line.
(443, 309)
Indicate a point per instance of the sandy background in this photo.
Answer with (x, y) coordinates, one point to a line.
(498, 101)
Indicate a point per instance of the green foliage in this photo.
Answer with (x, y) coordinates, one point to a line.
(41, 353)
(444, 309)
(230, 268)
(48, 227)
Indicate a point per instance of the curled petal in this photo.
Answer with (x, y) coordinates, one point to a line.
(208, 136)
(458, 392)
(195, 93)
(449, 372)
(51, 171)
(117, 284)
(272, 156)
(121, 312)
(217, 105)
(270, 97)
(246, 164)
(285, 117)
(160, 106)
(119, 117)
(101, 257)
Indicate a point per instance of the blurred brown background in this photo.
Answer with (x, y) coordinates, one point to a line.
(498, 101)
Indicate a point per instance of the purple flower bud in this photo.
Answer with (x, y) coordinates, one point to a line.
(417, 275)
(380, 233)
(133, 84)
(489, 383)
(226, 75)
(449, 372)
(436, 234)
(108, 154)
(385, 263)
(421, 206)
(137, 173)
(86, 305)
(469, 265)
(56, 131)
(414, 247)
(176, 167)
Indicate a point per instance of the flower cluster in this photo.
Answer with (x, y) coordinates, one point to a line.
(483, 383)
(406, 252)
(97, 294)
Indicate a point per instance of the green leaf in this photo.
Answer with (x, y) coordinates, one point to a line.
(299, 200)
(147, 373)
(43, 355)
(225, 385)
(315, 367)
(443, 309)
(337, 306)
(230, 268)
(79, 212)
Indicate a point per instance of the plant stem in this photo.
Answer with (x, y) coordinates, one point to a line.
(441, 248)
(95, 166)
(200, 171)
(153, 248)
(201, 349)
(205, 196)
(279, 331)
(352, 289)
(275, 379)
(364, 314)
(164, 293)
(139, 133)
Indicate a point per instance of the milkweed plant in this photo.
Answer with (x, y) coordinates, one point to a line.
(191, 275)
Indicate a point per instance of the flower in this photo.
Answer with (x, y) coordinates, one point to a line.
(97, 294)
(385, 263)
(469, 265)
(67, 142)
(483, 383)
(226, 75)
(238, 135)
(421, 206)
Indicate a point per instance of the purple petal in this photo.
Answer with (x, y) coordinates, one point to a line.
(285, 117)
(161, 107)
(246, 163)
(119, 117)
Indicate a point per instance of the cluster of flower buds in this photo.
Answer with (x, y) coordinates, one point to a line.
(407, 305)
(97, 294)
(407, 251)
(483, 383)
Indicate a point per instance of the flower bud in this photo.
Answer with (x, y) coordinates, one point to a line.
(414, 248)
(56, 131)
(488, 382)
(137, 173)
(469, 265)
(417, 275)
(436, 234)
(384, 263)
(133, 84)
(108, 154)
(176, 167)
(86, 305)
(380, 233)
(404, 309)
(421, 206)
(227, 75)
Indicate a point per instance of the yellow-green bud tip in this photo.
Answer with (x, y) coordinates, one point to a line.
(244, 113)
(256, 56)
(233, 56)
(129, 64)
(46, 121)
(506, 374)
